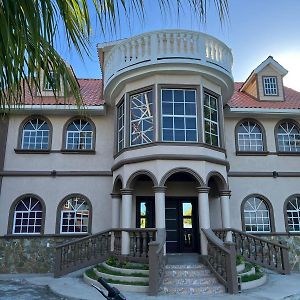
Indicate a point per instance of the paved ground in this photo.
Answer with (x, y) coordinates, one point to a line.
(72, 287)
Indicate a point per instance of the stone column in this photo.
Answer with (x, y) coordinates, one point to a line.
(115, 210)
(160, 220)
(225, 208)
(204, 217)
(126, 219)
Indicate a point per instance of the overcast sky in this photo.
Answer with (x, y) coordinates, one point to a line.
(256, 29)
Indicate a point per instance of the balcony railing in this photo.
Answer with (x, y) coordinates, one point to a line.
(178, 46)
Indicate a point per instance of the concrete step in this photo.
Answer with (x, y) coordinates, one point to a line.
(198, 281)
(192, 290)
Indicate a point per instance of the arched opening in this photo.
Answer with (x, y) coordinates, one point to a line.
(143, 208)
(181, 210)
(216, 183)
(118, 185)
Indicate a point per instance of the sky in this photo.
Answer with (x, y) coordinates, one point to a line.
(255, 30)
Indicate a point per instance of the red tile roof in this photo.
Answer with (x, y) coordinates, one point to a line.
(91, 91)
(243, 100)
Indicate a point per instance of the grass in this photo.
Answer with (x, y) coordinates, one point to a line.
(248, 267)
(102, 269)
(91, 274)
(247, 278)
(239, 260)
(114, 262)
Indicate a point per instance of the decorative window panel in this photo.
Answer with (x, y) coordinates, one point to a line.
(288, 137)
(79, 135)
(293, 214)
(28, 216)
(47, 82)
(211, 120)
(256, 215)
(121, 126)
(141, 118)
(35, 135)
(250, 137)
(179, 115)
(270, 86)
(75, 216)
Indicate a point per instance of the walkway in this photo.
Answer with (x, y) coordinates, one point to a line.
(72, 287)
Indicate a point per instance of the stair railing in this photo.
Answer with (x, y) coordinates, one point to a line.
(96, 248)
(157, 262)
(258, 250)
(221, 260)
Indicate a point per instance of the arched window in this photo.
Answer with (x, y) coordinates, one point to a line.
(293, 213)
(288, 137)
(249, 137)
(79, 135)
(35, 135)
(256, 214)
(28, 216)
(75, 213)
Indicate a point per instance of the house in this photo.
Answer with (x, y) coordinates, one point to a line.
(166, 140)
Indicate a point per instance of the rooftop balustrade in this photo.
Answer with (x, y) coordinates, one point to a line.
(168, 46)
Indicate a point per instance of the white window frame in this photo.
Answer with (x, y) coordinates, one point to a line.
(30, 210)
(256, 214)
(46, 85)
(32, 134)
(291, 138)
(270, 85)
(75, 210)
(184, 115)
(136, 125)
(83, 136)
(254, 139)
(295, 214)
(210, 121)
(121, 126)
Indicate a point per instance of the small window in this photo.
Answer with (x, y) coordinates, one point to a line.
(48, 81)
(256, 215)
(28, 216)
(293, 214)
(35, 135)
(75, 215)
(270, 86)
(80, 135)
(121, 126)
(288, 137)
(250, 137)
(179, 115)
(141, 118)
(211, 120)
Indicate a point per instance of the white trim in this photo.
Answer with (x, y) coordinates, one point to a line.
(94, 109)
(271, 111)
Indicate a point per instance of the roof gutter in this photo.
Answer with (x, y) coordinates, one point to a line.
(98, 110)
(267, 111)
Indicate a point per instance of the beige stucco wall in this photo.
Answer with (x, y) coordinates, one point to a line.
(52, 191)
(100, 161)
(269, 71)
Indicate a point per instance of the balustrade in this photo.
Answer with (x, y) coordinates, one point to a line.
(258, 250)
(149, 48)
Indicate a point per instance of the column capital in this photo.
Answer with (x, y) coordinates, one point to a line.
(159, 189)
(225, 193)
(115, 195)
(126, 191)
(203, 189)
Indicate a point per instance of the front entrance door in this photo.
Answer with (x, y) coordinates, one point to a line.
(182, 225)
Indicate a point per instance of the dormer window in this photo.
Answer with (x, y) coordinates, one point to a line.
(270, 85)
(48, 81)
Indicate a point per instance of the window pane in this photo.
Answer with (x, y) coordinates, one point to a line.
(211, 120)
(179, 115)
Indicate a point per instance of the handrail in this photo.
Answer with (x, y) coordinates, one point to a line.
(157, 262)
(95, 248)
(258, 250)
(221, 259)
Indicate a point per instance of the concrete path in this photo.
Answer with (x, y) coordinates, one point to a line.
(72, 287)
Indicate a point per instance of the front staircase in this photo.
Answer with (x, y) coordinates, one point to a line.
(190, 279)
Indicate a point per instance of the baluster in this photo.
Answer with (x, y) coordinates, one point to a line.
(168, 44)
(188, 43)
(151, 235)
(131, 237)
(145, 244)
(140, 48)
(148, 45)
(181, 43)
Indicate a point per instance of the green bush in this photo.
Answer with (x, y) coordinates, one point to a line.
(114, 262)
(102, 269)
(239, 260)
